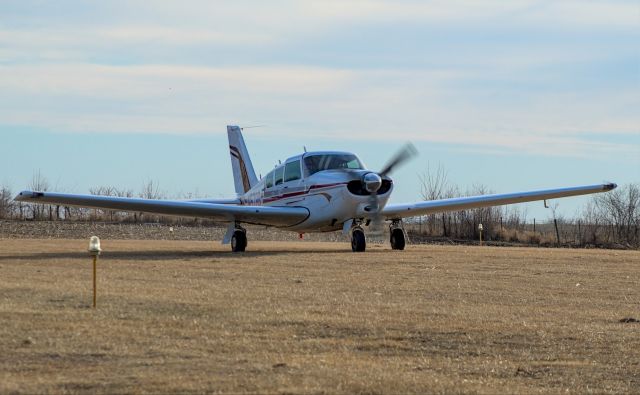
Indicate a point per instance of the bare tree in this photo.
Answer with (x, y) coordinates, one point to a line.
(607, 219)
(487, 216)
(434, 185)
(6, 203)
(150, 190)
(102, 191)
(619, 212)
(113, 216)
(41, 184)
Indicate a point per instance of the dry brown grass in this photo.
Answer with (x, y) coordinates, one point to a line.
(298, 317)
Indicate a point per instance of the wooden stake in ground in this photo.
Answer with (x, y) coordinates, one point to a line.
(94, 250)
(95, 261)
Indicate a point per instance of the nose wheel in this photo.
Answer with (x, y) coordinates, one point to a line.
(358, 241)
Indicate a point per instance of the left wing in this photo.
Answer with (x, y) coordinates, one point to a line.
(397, 211)
(259, 215)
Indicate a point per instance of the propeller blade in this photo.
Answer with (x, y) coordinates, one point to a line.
(404, 154)
(376, 218)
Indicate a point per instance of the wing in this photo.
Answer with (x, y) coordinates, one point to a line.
(396, 211)
(259, 215)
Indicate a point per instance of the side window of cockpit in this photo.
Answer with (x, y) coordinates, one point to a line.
(268, 180)
(279, 175)
(292, 171)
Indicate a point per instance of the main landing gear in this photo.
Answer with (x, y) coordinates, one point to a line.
(239, 240)
(397, 237)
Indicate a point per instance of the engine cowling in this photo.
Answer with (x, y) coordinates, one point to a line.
(357, 187)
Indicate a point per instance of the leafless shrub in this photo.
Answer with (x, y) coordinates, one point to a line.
(6, 203)
(109, 215)
(614, 217)
(533, 237)
(514, 217)
(608, 219)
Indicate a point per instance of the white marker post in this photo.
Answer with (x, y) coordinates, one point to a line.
(480, 230)
(94, 250)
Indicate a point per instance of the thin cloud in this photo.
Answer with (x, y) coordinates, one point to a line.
(167, 67)
(334, 103)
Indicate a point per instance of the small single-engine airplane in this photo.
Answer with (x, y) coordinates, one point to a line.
(311, 192)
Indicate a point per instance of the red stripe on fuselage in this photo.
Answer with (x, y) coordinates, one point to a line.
(327, 185)
(293, 194)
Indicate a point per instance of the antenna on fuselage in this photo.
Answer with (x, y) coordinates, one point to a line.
(305, 148)
(252, 126)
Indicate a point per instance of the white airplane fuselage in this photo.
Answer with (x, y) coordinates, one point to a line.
(327, 194)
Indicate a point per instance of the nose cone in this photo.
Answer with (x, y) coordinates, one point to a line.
(372, 182)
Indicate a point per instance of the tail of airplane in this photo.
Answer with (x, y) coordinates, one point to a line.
(244, 177)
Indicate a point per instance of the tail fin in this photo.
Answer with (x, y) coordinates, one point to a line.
(244, 177)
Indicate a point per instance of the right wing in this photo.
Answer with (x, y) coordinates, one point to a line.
(259, 215)
(397, 211)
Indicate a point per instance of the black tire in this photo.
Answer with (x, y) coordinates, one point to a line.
(398, 241)
(358, 241)
(238, 241)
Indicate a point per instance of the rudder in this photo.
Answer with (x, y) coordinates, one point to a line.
(244, 177)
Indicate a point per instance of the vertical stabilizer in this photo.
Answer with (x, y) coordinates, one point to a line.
(244, 177)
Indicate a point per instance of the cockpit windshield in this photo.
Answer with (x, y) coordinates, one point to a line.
(319, 162)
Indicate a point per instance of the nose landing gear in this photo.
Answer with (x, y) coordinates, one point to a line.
(358, 241)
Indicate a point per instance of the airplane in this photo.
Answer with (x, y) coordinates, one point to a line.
(322, 191)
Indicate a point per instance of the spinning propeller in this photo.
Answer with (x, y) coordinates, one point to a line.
(373, 181)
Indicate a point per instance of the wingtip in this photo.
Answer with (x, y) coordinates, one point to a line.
(27, 195)
(610, 186)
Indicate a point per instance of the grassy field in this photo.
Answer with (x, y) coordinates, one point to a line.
(299, 317)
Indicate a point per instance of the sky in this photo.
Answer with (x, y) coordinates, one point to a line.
(515, 95)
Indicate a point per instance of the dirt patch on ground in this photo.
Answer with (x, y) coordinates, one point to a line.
(298, 317)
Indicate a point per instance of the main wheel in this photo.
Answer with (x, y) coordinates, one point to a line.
(238, 241)
(397, 239)
(358, 241)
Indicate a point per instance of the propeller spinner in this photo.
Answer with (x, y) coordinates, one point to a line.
(372, 182)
